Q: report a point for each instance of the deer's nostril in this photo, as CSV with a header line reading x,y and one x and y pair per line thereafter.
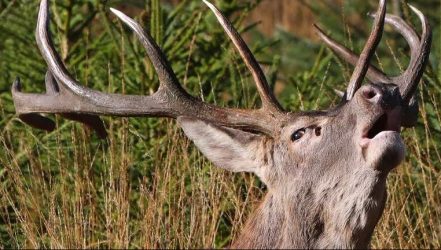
x,y
369,94
318,131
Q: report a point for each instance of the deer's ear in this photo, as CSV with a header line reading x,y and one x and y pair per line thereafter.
x,y
231,149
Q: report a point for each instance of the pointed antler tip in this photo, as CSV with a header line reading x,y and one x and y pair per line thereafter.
x,y
319,32
115,11
416,11
425,23
122,16
207,2
318,29
125,19
118,13
16,85
339,93
211,6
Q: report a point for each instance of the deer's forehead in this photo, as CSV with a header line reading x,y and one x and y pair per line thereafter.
x,y
305,120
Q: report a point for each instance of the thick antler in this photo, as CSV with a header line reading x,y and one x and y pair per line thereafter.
x,y
409,79
369,49
65,96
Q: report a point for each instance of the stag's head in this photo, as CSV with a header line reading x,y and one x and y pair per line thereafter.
x,y
317,149
325,168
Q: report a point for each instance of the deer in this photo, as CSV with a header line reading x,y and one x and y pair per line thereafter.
x,y
325,171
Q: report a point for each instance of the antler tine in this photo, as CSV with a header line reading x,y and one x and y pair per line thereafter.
x,y
165,73
226,116
67,97
32,119
420,50
373,73
269,101
369,49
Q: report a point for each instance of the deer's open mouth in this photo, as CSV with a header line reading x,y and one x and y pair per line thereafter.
x,y
379,126
381,143
387,122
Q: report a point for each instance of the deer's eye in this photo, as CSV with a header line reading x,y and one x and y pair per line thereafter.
x,y
298,134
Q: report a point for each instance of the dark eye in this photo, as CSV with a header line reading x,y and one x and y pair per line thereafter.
x,y
298,134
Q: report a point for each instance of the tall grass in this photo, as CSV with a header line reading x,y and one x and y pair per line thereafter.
x,y
146,186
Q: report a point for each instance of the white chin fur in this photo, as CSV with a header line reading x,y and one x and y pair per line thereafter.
x,y
385,151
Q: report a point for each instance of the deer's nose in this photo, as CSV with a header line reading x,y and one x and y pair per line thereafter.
x,y
386,95
371,93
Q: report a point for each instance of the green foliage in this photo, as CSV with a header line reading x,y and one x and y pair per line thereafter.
x,y
146,185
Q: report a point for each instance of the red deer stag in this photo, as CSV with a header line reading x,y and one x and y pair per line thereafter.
x,y
325,170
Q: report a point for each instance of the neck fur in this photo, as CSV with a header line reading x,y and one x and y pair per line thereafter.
x,y
332,218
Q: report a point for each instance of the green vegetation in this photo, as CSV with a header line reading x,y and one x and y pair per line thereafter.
x,y
146,185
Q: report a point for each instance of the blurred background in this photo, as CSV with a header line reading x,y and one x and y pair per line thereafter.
x,y
146,185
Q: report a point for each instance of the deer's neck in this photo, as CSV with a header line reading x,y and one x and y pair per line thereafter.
x,y
304,219
263,228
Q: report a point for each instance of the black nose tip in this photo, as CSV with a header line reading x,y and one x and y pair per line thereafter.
x,y
386,95
391,96
392,89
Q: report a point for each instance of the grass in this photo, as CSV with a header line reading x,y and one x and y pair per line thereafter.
x,y
147,186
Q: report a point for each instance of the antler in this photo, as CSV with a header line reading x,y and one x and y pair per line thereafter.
x,y
420,49
268,99
67,97
368,50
